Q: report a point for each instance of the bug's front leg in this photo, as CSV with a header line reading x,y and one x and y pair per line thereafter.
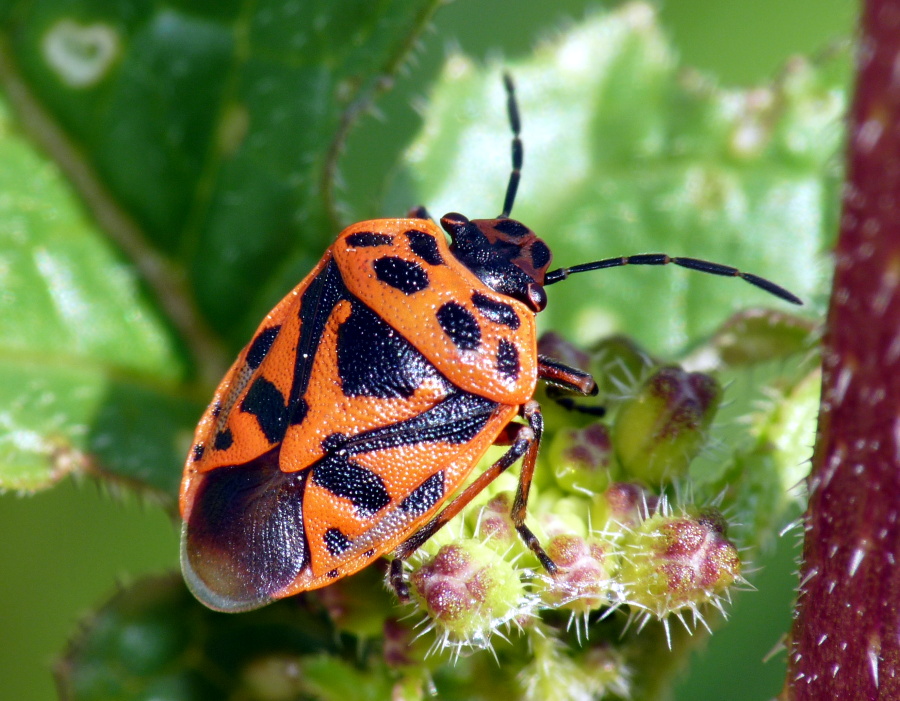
x,y
525,443
561,378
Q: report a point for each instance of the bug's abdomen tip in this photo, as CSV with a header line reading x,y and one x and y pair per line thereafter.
x,y
244,541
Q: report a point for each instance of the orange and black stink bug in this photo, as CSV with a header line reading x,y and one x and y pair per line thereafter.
x,y
366,397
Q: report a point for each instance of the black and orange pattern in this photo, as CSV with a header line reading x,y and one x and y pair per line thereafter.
x,y
363,401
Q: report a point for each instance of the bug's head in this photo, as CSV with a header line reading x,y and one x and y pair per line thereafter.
x,y
505,254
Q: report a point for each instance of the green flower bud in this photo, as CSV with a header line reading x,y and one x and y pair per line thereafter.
x,y
581,458
558,515
618,363
582,582
624,505
469,590
678,562
495,524
661,429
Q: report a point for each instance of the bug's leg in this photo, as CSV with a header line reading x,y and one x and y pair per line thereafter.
x,y
559,375
563,378
524,443
531,411
418,213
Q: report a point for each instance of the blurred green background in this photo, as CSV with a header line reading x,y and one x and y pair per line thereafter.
x,y
65,550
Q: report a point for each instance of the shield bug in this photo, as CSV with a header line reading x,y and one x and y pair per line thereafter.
x,y
368,394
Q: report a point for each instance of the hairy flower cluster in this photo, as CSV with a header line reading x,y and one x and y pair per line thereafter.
x,y
600,508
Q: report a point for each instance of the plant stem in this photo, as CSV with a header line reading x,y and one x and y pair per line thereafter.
x,y
845,642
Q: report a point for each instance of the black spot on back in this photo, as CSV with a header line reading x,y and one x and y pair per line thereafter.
x,y
336,541
245,540
217,409
400,274
266,403
426,495
374,360
333,574
508,360
368,239
540,254
343,478
460,325
425,246
261,346
198,452
498,312
511,227
224,440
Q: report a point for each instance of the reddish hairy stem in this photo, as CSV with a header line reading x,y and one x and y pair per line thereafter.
x,y
845,643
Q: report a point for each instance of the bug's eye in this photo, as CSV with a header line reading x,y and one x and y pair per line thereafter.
x,y
537,298
452,220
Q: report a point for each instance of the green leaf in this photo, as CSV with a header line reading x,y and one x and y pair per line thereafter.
x,y
626,154
78,338
203,137
216,125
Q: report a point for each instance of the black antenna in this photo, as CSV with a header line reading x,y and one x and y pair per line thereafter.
x,y
515,124
704,266
553,276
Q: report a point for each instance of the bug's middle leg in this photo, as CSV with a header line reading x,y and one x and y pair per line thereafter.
x,y
524,443
531,411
